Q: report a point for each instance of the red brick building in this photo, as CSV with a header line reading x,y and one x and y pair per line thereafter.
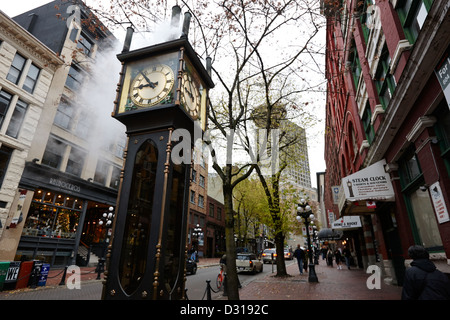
x,y
387,67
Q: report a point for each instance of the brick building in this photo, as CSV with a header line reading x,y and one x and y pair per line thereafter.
x,y
388,107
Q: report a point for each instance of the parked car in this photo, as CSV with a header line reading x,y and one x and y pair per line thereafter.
x,y
248,262
191,266
269,255
288,254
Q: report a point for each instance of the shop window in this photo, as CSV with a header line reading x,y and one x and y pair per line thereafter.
x,y
49,216
17,119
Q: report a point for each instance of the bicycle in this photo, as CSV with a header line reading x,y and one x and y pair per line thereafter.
x,y
219,279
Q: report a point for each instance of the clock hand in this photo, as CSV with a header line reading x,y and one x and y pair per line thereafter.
x,y
151,84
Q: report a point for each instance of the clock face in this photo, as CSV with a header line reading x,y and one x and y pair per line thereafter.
x,y
151,85
191,98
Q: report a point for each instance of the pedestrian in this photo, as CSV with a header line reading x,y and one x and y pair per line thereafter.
x,y
347,256
423,281
330,257
299,254
338,257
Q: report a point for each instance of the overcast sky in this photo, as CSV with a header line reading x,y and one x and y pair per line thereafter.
x,y
315,146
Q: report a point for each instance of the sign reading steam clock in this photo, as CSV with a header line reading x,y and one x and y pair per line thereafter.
x,y
162,88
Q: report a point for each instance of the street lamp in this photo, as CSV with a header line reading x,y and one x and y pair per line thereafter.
x,y
197,232
107,220
304,211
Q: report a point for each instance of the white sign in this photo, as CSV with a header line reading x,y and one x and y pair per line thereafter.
x,y
439,203
347,222
335,193
443,74
371,183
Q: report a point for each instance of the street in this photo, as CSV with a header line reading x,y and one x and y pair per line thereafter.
x,y
92,290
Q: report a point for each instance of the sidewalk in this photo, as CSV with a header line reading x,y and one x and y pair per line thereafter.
x,y
333,284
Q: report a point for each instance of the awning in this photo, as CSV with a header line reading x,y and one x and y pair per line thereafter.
x,y
329,234
370,184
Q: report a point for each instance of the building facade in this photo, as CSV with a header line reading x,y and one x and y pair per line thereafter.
x,y
388,107
70,174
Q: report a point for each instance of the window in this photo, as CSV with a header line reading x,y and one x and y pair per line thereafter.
x,y
84,125
115,178
31,79
5,156
5,101
367,18
385,82
201,181
211,210
16,69
74,78
64,114
194,175
76,161
54,153
418,202
201,201
101,172
355,65
368,128
85,45
192,197
17,119
412,14
219,213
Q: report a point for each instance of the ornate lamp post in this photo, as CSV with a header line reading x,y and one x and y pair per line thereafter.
x,y
304,212
197,233
107,220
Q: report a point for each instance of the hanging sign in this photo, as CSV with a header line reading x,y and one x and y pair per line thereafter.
x,y
439,203
347,222
371,183
442,72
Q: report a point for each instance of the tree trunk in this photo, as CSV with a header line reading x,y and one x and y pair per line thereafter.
x,y
232,277
281,265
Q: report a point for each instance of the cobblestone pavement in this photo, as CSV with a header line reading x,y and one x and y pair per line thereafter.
x,y
333,284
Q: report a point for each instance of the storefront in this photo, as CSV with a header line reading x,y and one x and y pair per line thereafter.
x,y
60,216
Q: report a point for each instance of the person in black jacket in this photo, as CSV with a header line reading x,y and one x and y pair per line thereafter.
x,y
423,281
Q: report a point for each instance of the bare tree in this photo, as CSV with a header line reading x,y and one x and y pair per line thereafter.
x,y
263,54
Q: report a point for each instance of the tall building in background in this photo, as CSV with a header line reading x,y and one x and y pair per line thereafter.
x,y
387,144
71,153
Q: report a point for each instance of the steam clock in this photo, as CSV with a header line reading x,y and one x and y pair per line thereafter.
x,y
162,88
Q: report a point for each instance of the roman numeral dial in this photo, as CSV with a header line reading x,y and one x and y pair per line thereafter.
x,y
152,85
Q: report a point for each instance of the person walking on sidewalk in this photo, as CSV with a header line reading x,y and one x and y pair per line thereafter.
x,y
423,281
338,257
347,255
300,255
330,257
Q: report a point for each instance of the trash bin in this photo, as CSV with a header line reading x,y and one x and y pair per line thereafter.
x,y
43,274
4,266
26,267
12,275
